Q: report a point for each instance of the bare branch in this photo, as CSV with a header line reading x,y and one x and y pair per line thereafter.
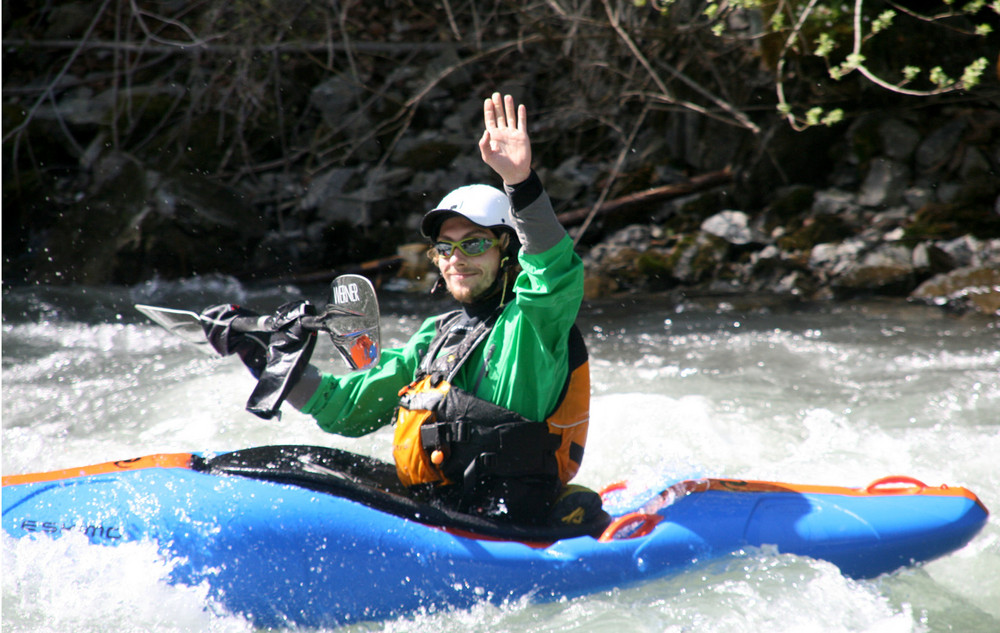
x,y
626,148
667,96
665,192
49,90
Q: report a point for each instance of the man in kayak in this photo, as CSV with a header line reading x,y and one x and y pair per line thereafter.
x,y
490,401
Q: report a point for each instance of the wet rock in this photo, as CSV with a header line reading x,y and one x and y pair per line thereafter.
x,y
695,257
886,269
616,263
797,283
199,206
961,250
773,270
948,221
899,139
889,279
889,220
936,150
972,288
596,285
834,202
820,229
884,184
929,259
565,181
733,227
640,257
832,259
655,270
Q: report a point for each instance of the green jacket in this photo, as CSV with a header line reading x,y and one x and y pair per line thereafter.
x,y
524,359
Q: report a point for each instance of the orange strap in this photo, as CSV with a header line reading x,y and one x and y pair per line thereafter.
x,y
646,524
161,460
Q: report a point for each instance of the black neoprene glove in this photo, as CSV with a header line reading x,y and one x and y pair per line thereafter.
x,y
288,354
251,347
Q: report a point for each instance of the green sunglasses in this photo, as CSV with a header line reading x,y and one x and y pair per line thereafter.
x,y
471,247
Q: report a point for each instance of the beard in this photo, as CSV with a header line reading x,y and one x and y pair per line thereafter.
x,y
465,292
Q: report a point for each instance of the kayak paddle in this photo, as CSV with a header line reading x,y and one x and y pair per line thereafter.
x,y
351,318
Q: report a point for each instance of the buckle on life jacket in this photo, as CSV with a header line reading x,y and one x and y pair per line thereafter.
x,y
436,438
440,436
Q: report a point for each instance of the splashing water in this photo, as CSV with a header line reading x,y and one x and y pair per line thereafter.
x,y
836,395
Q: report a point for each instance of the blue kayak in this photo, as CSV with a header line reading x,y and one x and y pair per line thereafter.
x,y
317,537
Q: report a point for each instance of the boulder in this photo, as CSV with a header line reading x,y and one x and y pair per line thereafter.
x,y
884,184
887,269
971,288
733,227
899,139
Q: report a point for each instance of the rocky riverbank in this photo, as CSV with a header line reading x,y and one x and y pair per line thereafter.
x,y
905,209
903,213
291,145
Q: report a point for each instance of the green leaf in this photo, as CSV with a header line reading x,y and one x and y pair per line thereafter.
x,y
883,21
824,45
833,117
940,78
973,72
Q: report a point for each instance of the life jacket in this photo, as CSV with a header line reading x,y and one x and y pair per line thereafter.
x,y
446,435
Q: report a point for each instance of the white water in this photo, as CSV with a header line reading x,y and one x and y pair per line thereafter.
x,y
833,395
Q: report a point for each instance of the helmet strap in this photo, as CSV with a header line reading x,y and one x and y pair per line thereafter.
x,y
503,272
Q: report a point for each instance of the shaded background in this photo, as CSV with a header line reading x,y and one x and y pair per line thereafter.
x,y
293,140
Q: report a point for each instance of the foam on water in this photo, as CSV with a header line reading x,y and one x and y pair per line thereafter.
x,y
747,593
55,586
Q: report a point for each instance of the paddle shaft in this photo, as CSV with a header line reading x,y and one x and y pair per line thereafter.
x,y
266,324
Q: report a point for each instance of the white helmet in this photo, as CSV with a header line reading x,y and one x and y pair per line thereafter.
x,y
480,204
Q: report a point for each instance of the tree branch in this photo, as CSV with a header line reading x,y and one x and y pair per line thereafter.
x,y
665,192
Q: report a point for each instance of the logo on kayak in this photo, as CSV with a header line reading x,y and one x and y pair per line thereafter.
x,y
346,294
91,531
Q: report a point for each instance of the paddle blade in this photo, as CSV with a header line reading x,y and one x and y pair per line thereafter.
x,y
183,323
352,319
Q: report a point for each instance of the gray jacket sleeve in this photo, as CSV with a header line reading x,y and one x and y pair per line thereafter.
x,y
536,224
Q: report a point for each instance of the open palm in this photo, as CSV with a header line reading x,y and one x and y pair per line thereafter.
x,y
505,145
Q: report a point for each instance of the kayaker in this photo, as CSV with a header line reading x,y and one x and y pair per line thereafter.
x,y
490,401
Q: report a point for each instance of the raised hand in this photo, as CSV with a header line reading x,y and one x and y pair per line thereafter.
x,y
505,145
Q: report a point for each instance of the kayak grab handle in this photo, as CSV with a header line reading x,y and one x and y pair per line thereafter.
x,y
915,485
614,487
646,524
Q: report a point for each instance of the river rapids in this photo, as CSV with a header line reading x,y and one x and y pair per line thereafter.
x,y
838,393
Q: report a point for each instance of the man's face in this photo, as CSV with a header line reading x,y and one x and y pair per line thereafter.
x,y
467,277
